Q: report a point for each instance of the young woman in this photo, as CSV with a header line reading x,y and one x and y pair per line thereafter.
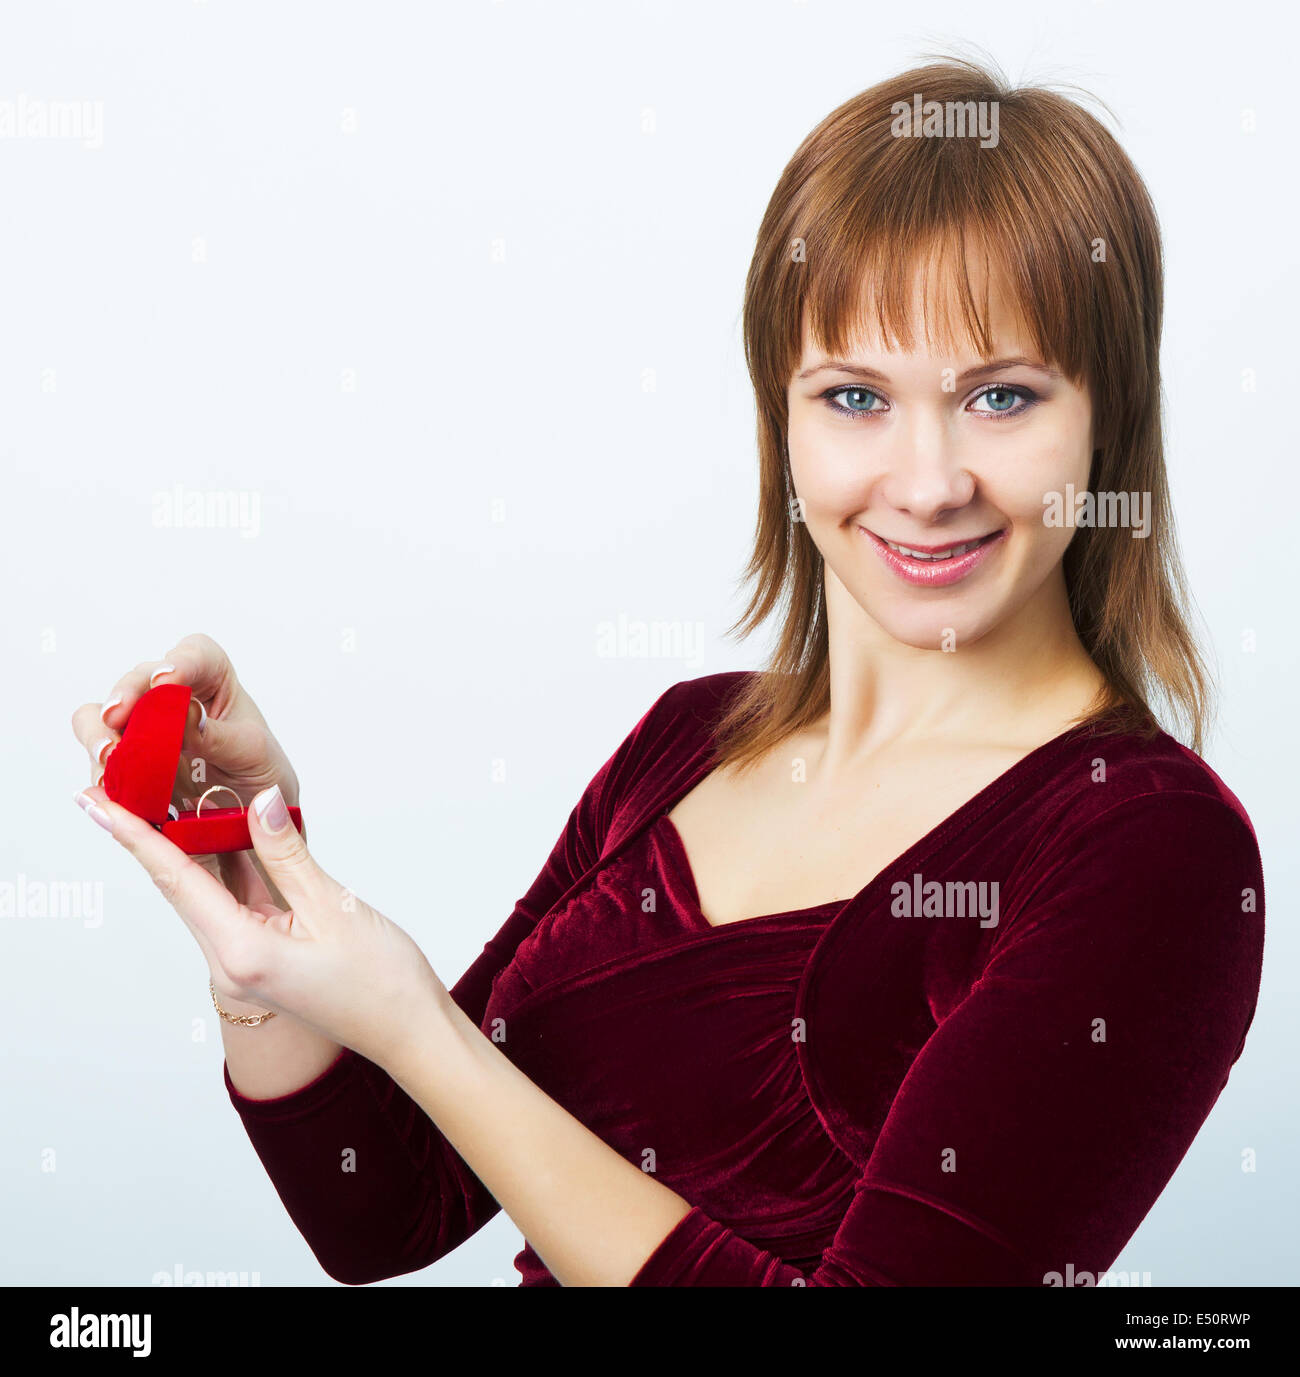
x,y
918,957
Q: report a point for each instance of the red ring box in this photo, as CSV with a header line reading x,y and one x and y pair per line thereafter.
x,y
140,774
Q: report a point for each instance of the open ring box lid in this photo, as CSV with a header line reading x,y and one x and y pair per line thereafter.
x,y
140,774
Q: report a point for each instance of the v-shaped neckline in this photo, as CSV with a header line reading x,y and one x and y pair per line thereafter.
x,y
961,816
669,828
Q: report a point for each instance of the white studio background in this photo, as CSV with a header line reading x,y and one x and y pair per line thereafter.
x,y
452,293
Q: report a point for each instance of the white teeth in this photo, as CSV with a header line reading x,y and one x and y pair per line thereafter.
x,y
951,552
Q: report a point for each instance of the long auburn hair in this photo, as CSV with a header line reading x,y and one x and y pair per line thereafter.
x,y
1057,206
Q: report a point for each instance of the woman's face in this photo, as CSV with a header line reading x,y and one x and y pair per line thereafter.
x,y
935,453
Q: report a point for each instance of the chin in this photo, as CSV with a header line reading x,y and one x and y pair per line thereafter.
x,y
933,628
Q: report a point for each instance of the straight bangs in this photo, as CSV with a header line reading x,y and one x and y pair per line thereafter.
x,y
948,270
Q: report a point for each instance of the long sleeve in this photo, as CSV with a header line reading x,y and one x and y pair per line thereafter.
x,y
372,1185
1046,1112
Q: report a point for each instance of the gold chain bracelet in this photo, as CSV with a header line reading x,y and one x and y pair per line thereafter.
x,y
244,1020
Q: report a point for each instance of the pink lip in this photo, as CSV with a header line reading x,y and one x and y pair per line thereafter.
x,y
935,573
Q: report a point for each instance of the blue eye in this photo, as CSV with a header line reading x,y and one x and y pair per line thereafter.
x,y
831,397
1002,401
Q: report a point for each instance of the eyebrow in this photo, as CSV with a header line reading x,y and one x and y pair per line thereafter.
x,y
858,371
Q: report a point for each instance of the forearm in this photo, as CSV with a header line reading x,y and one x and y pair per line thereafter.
x,y
370,1183
592,1216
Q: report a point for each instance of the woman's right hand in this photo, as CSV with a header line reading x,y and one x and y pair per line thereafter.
x,y
235,748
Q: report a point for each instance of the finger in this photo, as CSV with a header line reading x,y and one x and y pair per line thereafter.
x,y
283,853
227,744
228,935
196,719
241,878
234,740
94,736
197,660
227,869
212,864
129,689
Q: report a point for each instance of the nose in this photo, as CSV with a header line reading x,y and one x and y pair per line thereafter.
x,y
924,476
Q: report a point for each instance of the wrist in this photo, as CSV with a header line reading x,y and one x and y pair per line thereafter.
x,y
232,1004
433,1033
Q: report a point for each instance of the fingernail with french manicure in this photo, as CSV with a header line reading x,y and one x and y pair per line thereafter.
x,y
271,811
162,669
90,806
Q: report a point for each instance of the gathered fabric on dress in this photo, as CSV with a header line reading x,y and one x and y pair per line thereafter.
x,y
675,1042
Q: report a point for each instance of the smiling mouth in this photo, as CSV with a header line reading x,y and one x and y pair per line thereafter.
x,y
938,553
939,566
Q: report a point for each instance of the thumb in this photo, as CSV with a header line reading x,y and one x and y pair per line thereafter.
x,y
282,850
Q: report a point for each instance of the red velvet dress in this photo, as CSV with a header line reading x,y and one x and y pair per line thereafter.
x,y
881,1091
706,1089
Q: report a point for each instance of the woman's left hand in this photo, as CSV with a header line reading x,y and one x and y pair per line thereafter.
x,y
329,960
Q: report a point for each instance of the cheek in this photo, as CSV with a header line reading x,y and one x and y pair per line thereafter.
x,y
1018,479
1019,493
829,472
1041,547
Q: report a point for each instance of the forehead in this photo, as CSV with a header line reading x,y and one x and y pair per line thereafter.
x,y
936,319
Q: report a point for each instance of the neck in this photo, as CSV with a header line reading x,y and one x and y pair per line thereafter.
x,y
1022,682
